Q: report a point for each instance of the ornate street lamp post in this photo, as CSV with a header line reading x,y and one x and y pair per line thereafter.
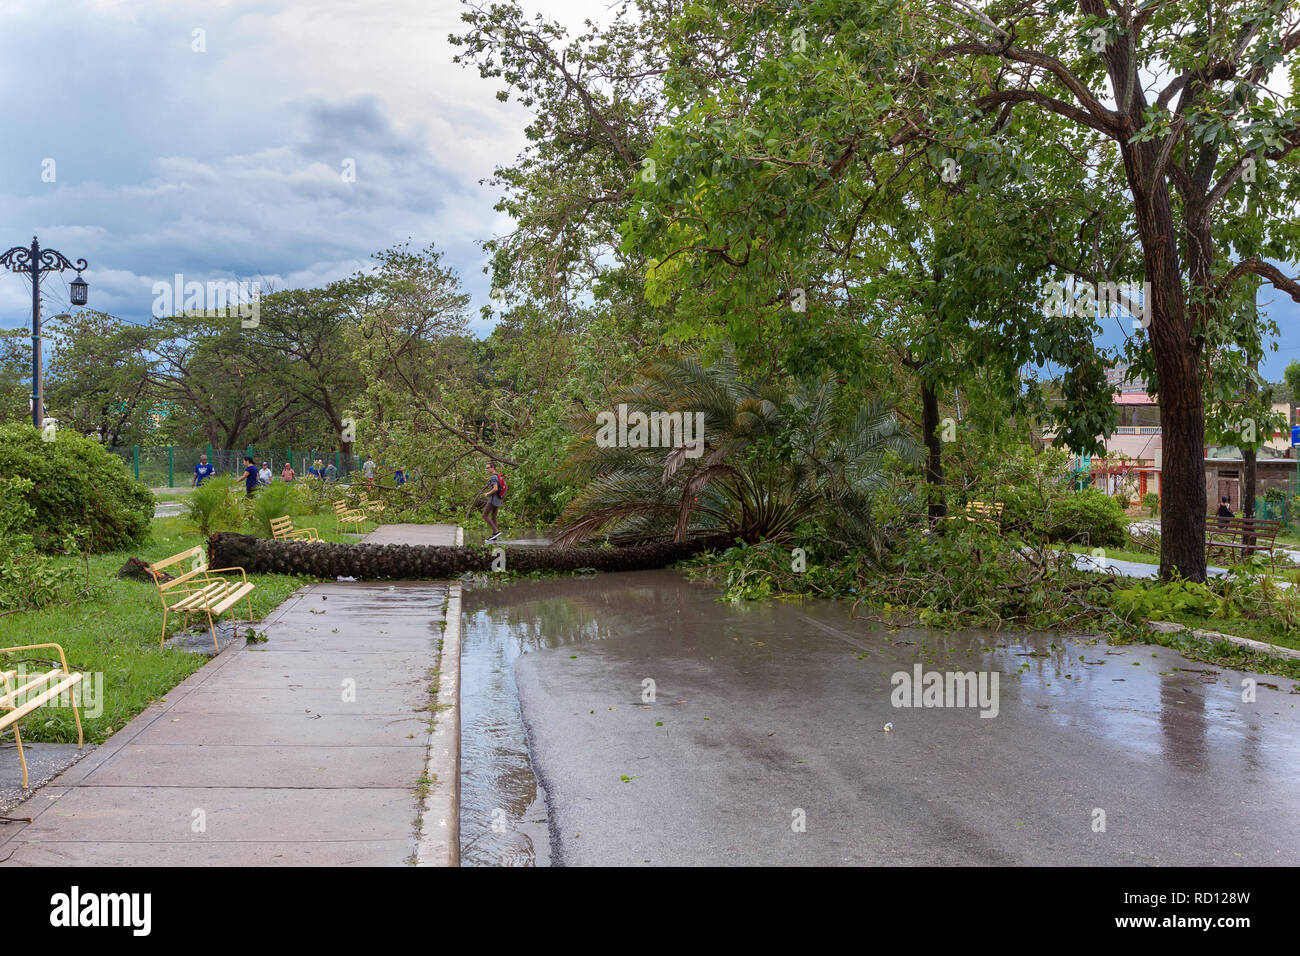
x,y
36,261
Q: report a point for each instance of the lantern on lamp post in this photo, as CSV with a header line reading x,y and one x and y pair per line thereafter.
x,y
36,261
79,289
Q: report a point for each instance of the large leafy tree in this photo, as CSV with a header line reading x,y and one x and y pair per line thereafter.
x,y
203,366
1164,107
820,254
97,377
300,345
15,375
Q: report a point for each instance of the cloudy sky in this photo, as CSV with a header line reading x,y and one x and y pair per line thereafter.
x,y
212,140
230,162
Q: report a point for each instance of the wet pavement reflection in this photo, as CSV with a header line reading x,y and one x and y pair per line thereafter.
x,y
761,707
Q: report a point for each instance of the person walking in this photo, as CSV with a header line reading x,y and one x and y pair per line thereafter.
x,y
331,472
368,469
264,474
495,495
203,471
286,474
250,476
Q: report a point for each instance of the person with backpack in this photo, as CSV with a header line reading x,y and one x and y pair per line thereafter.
x,y
495,494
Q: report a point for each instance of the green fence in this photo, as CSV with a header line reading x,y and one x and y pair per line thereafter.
x,y
1286,509
172,466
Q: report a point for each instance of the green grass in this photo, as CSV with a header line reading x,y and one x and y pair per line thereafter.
x,y
116,634
1218,653
1240,627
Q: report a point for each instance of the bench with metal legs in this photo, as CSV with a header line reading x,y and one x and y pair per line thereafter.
x,y
282,529
23,693
198,591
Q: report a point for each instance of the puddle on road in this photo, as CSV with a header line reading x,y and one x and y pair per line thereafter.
x,y
503,816
502,807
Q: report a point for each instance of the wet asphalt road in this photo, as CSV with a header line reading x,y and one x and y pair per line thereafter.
x,y
768,716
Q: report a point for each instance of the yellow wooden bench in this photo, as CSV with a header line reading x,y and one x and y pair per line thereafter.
x,y
979,509
23,694
347,516
197,590
283,530
982,512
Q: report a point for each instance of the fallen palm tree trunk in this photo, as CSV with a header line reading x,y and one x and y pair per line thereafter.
x,y
413,562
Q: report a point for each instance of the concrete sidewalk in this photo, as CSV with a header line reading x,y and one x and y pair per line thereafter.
x,y
307,749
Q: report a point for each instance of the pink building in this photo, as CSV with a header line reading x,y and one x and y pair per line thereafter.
x,y
1133,458
1133,450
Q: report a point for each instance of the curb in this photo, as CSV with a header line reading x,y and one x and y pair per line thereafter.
x,y
1170,627
439,843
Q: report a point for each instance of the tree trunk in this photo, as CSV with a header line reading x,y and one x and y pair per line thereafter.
x,y
1178,373
1249,458
934,453
1182,478
373,562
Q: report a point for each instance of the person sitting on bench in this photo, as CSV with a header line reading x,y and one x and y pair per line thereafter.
x,y
1224,511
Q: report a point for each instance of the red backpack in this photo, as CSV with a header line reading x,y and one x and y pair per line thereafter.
x,y
501,486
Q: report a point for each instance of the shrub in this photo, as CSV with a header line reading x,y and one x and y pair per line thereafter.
x,y
78,489
28,579
216,505
274,501
313,496
1087,517
1161,602
1026,484
1151,502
